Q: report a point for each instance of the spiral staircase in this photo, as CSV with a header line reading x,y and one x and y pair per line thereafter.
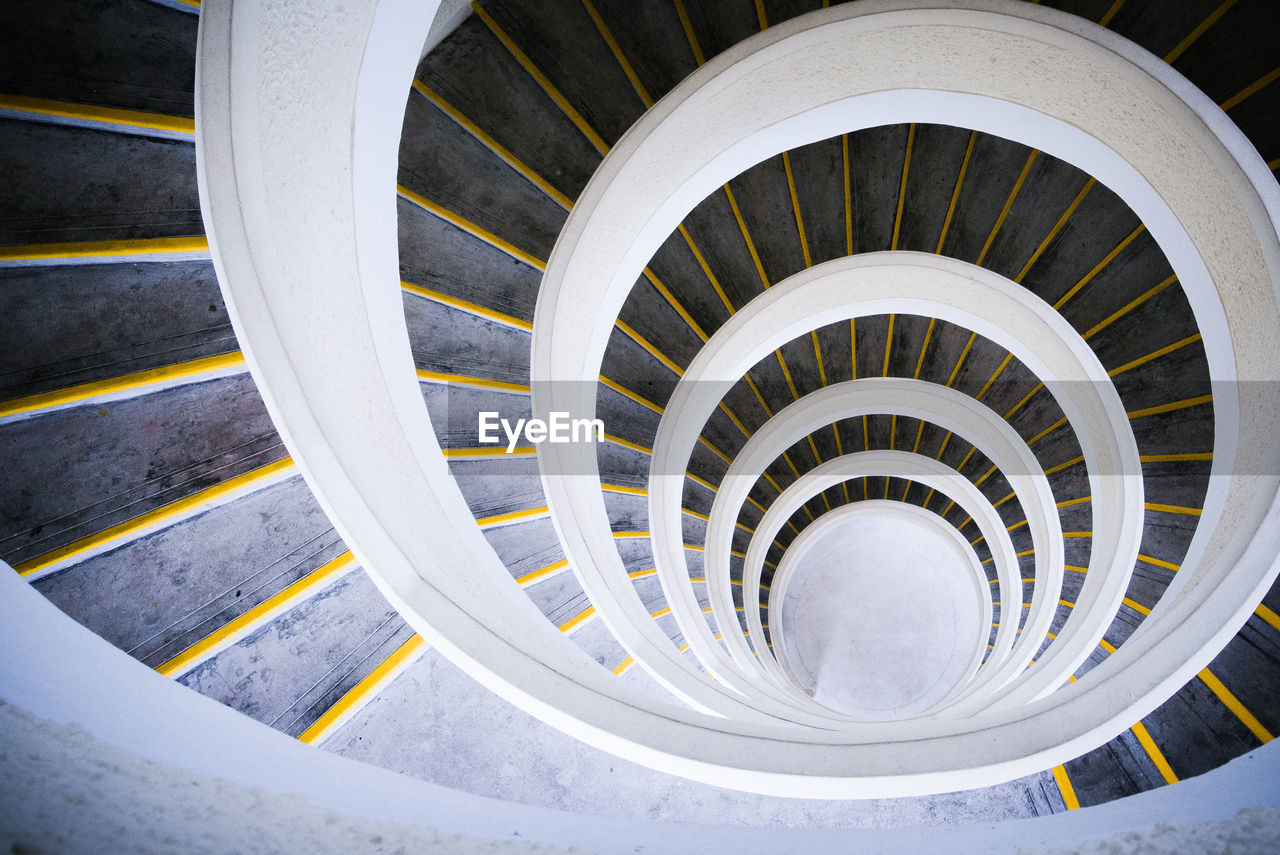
x,y
912,317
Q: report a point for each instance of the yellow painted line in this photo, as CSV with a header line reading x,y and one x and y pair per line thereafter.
x,y
682,648
640,574
1016,525
822,372
1024,400
1074,569
1066,465
617,53
1067,604
625,443
746,237
232,631
472,228
105,249
1170,407
700,481
888,344
795,207
928,334
1008,204
706,268
1005,499
625,392
153,378
623,535
541,79
347,705
1057,227
649,347
902,185
489,142
733,418
103,115
194,4
1172,509
1142,360
1136,606
693,546
1158,562
618,488
622,666
992,379
675,304
663,612
722,455
163,515
467,306
1158,758
692,38
1064,786
782,363
1233,703
1077,534
1107,646
1175,458
1262,82
1097,268
578,620
853,347
760,16
474,382
696,514
1272,619
756,389
1128,307
964,353
955,193
1069,502
1106,19
1050,429
542,572
1274,165
512,516
488,451
1199,31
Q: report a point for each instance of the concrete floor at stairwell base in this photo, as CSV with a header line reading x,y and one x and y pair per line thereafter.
x,y
881,617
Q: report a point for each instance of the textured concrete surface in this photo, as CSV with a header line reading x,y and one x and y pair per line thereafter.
x,y
881,617
451,731
76,184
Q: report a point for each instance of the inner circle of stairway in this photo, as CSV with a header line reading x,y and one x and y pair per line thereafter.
x,y
169,517
881,615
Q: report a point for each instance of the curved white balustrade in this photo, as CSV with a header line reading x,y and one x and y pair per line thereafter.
x,y
316,302
918,468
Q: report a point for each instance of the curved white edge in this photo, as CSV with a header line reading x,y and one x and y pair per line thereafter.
x,y
286,250
796,552
923,470
948,408
61,672
973,298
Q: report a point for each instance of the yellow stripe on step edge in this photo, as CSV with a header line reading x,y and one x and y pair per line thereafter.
x,y
161,515
232,631
92,113
391,667
191,370
105,248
